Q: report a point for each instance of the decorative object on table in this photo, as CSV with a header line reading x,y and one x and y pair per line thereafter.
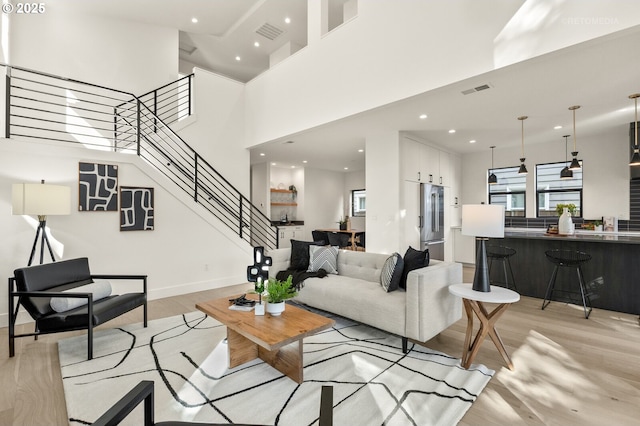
x,y
277,292
610,223
258,273
493,179
565,224
42,200
523,169
343,224
575,164
482,221
566,173
97,187
294,191
635,158
136,209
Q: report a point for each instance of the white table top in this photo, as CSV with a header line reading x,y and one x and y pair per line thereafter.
x,y
496,295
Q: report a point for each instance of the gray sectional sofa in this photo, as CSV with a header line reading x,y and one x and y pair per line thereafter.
x,y
421,312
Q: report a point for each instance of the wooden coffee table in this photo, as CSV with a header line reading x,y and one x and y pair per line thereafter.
x,y
275,340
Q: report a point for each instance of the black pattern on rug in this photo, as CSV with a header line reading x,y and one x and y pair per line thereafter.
x,y
374,382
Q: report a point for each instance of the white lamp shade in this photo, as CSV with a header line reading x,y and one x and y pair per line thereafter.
x,y
40,199
483,220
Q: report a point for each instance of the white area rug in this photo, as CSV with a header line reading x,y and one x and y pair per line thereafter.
x,y
374,382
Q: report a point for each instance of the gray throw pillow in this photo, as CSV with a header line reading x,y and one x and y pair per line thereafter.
x,y
321,257
392,272
99,288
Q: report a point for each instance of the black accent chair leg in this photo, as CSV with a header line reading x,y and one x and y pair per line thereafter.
x,y
90,329
12,320
326,406
405,344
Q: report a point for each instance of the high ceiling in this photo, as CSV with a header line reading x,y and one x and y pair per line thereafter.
x,y
598,75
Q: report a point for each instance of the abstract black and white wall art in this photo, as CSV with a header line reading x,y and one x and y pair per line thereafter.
x,y
136,209
98,187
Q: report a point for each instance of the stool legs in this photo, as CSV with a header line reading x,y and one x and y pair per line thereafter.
x,y
586,301
505,263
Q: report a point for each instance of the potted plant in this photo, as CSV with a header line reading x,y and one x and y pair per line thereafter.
x,y
343,224
570,207
277,292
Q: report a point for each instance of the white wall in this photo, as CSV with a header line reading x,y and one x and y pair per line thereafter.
x,y
183,254
217,130
324,198
352,181
605,171
119,54
424,45
260,187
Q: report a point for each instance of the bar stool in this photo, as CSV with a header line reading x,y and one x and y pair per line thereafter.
x,y
502,254
568,259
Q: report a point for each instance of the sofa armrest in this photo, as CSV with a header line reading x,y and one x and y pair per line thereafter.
x,y
430,306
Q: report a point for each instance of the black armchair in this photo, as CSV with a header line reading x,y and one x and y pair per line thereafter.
x,y
35,286
143,391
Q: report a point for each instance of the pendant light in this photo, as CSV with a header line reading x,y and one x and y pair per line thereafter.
x,y
566,173
493,179
635,159
574,162
523,169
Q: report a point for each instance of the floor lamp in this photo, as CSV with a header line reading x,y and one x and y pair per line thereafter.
x,y
42,200
482,221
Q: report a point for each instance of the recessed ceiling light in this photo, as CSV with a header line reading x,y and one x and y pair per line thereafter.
x,y
472,141
305,161
346,168
287,20
273,164
194,20
557,127
361,150
256,44
262,154
423,116
452,131
293,167
237,58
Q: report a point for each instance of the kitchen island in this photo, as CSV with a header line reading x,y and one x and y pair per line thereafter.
x,y
612,274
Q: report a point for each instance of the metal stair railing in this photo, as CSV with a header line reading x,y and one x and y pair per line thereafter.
x,y
54,109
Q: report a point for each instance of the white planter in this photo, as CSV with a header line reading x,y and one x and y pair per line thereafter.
x,y
275,309
565,224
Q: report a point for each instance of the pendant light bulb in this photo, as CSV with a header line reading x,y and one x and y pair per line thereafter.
x,y
523,169
635,158
574,162
565,173
493,179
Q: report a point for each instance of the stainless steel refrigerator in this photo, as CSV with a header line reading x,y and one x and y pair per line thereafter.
x,y
432,220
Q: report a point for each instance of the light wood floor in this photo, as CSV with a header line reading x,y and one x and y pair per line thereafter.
x,y
568,370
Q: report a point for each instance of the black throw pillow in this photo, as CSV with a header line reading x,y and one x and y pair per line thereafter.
x,y
413,259
300,254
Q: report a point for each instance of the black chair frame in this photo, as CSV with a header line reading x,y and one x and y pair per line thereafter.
x,y
15,307
143,391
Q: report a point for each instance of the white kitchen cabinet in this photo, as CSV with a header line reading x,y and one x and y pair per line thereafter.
x,y
423,163
288,233
455,179
464,247
410,160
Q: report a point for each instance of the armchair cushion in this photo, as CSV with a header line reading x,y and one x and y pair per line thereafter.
x,y
99,289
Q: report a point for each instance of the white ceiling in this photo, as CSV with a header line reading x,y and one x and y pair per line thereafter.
x,y
598,75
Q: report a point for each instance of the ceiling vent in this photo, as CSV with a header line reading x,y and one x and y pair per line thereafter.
x,y
269,31
477,89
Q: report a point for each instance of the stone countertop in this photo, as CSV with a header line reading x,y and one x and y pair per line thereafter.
x,y
586,236
290,223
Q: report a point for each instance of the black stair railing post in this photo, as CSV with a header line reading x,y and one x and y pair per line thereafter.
x,y
7,112
195,178
138,127
155,110
189,93
240,219
115,129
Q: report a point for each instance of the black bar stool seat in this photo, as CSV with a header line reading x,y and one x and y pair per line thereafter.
x,y
502,254
568,259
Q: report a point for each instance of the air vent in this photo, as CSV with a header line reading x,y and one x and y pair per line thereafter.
x,y
269,31
477,89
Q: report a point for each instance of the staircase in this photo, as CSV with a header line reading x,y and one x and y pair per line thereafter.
x,y
57,110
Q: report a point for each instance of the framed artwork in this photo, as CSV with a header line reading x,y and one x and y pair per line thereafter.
x,y
98,187
136,209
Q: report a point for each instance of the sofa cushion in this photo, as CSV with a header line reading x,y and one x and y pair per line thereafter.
x,y
99,288
392,273
363,265
413,259
323,258
300,254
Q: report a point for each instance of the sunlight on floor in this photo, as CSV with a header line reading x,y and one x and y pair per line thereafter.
x,y
214,366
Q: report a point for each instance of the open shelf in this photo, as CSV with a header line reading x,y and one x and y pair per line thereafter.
x,y
285,191
284,204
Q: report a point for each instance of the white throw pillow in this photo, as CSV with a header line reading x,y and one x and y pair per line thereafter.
x,y
323,257
99,288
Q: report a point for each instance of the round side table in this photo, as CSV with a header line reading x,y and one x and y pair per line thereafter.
x,y
474,303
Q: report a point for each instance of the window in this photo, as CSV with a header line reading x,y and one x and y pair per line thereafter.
x,y
510,191
358,203
551,190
